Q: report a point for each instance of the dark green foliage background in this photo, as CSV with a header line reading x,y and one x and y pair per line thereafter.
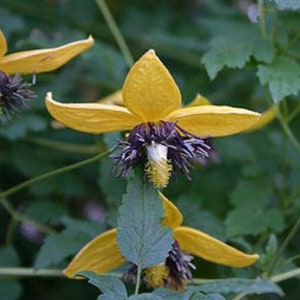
x,y
247,193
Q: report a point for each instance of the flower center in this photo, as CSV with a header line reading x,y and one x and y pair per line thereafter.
x,y
14,94
173,273
162,147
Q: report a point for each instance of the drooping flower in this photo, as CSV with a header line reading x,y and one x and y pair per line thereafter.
x,y
14,93
41,60
163,136
102,255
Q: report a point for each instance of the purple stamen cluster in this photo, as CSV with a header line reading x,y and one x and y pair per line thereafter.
x,y
179,265
14,94
183,147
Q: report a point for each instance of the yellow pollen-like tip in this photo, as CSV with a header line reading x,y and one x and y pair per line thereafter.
x,y
155,276
159,172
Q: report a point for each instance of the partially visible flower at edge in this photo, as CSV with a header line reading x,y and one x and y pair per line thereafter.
x,y
15,94
40,60
102,255
162,135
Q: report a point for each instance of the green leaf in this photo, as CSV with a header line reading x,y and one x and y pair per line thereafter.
x,y
21,125
234,52
239,285
201,296
282,76
59,246
250,193
141,238
145,296
245,220
168,294
10,289
111,286
8,257
288,4
252,214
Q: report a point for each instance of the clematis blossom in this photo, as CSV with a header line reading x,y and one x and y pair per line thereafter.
x,y
102,255
162,135
16,94
39,60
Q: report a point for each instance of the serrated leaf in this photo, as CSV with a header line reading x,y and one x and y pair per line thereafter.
x,y
59,246
145,296
201,296
110,286
282,76
168,294
245,220
234,52
288,4
141,238
239,285
250,193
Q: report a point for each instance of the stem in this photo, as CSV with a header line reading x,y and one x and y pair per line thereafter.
x,y
293,114
138,279
284,245
22,218
288,131
286,275
262,21
115,32
240,296
47,175
29,272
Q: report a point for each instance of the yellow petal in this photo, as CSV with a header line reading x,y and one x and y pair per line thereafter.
x,y
115,98
173,217
38,61
201,244
91,117
149,90
212,120
100,255
3,45
267,117
198,101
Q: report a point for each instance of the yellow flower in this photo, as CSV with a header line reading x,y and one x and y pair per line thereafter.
x,y
38,61
102,255
163,135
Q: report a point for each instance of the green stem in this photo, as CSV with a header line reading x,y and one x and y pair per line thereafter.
x,y
138,279
240,296
29,272
293,114
288,131
283,246
286,275
115,31
47,175
262,21
22,218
